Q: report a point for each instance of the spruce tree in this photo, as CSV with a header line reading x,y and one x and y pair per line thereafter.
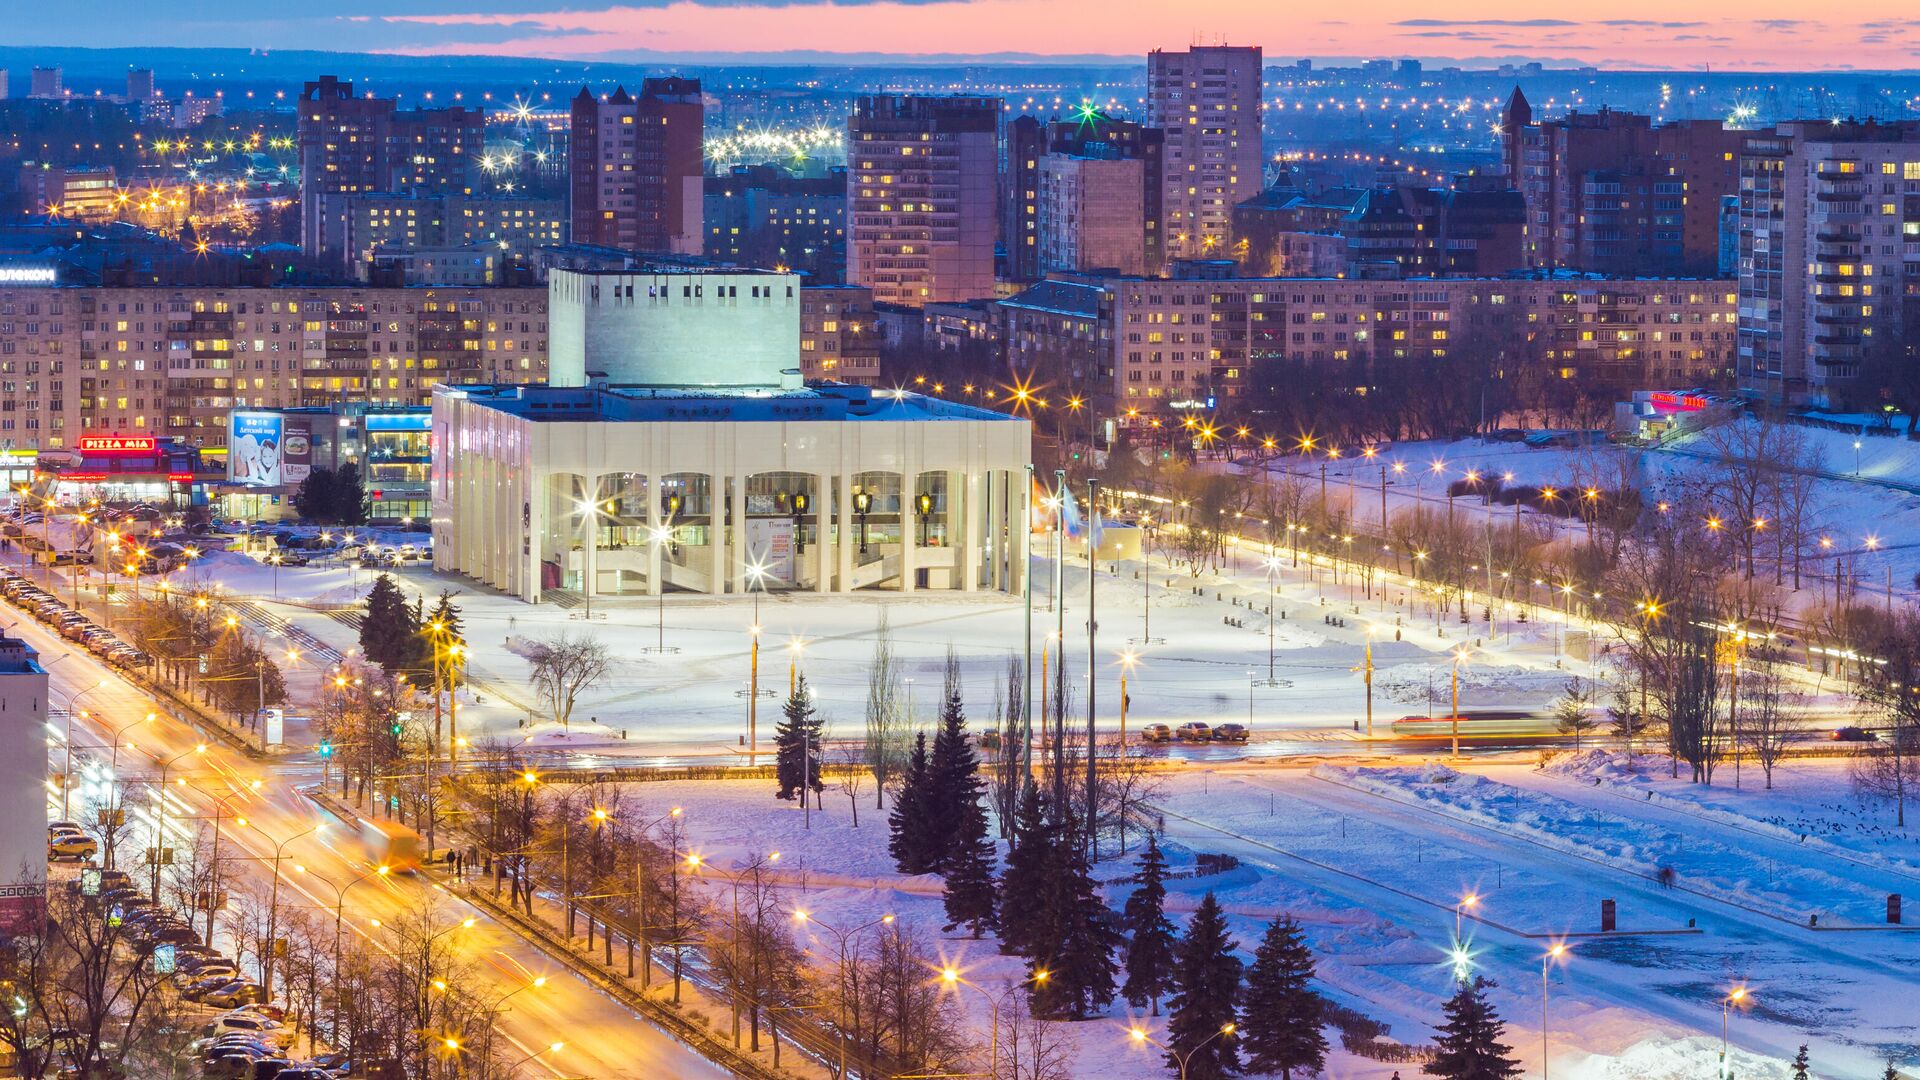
x,y
349,496
796,740
1074,939
1800,1064
1469,1047
1282,1017
1149,958
1206,977
316,497
1028,864
386,631
953,774
971,898
913,831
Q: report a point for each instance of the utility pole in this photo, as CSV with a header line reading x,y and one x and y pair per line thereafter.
x,y
1093,583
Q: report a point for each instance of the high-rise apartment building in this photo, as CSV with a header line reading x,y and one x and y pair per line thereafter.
x,y
46,83
1022,145
1829,257
165,360
1207,101
763,216
921,186
139,84
636,168
23,854
352,146
1614,193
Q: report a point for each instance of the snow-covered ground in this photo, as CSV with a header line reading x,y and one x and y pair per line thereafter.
x,y
1374,880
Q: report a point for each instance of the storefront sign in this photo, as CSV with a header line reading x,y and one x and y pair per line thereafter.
x,y
118,444
254,448
28,275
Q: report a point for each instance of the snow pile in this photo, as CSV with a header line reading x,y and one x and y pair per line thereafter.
x,y
1675,1059
1433,682
1700,864
1595,764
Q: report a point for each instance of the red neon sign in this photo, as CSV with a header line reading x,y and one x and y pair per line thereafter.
x,y
117,444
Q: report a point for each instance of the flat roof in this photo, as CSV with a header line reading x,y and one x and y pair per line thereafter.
x,y
833,403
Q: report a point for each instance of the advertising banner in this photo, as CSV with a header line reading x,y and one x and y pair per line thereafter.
x,y
770,544
254,447
296,449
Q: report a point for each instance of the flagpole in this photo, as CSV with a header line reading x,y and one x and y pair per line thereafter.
x,y
1026,673
1093,574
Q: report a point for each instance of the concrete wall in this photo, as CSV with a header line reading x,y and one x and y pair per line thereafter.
x,y
674,329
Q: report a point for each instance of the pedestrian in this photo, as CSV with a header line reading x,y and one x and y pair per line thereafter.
x,y
1666,877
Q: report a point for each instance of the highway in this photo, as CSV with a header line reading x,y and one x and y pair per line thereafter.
x,y
601,1039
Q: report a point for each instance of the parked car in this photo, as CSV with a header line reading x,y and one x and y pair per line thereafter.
x,y
1194,731
1156,733
68,846
1230,733
235,993
258,1027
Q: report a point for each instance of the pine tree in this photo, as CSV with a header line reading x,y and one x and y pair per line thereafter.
x,y
1150,941
913,830
349,496
317,496
1206,977
387,631
953,774
1027,868
970,894
1800,1064
1073,938
796,740
1282,1017
1469,1047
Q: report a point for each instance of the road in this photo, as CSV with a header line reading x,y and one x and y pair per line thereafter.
x,y
602,1039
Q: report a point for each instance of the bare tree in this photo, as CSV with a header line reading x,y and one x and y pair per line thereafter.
x,y
1126,781
1774,715
1030,1047
1890,770
852,778
1007,767
885,749
563,668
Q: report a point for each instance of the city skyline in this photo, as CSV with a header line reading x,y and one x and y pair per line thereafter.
x,y
1638,34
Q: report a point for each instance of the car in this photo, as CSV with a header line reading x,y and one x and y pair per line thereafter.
x,y
248,1024
305,1072
173,933
234,993
219,969
1194,731
196,990
1156,733
70,846
290,558
1230,733
270,1010
74,826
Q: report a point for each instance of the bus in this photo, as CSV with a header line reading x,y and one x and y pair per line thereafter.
x,y
1480,724
392,844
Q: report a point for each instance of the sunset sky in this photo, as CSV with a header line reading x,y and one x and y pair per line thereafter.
x,y
1874,34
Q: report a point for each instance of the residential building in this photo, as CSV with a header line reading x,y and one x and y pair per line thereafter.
x,y
354,146
384,226
1614,193
139,85
46,83
74,192
839,335
921,197
1207,102
1829,256
173,361
23,799
1475,228
1023,144
763,216
636,167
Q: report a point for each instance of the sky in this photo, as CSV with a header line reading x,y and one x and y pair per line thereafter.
x,y
1721,34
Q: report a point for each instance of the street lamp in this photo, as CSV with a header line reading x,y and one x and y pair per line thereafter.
x,y
952,977
160,814
841,936
1140,1037
1736,997
1471,900
660,536
924,502
862,505
273,908
1552,957
1460,656
66,779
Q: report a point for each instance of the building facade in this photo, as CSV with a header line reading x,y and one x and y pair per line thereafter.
x,y
1207,102
172,361
839,335
383,226
1829,257
921,186
636,166
671,326
353,146
765,217
23,842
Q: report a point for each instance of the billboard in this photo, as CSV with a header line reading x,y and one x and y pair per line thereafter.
x,y
266,449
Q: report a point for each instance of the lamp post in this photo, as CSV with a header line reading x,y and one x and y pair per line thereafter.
x,y
842,937
1128,661
924,503
66,778
1365,669
1470,900
661,537
213,887
339,904
952,977
1735,997
862,505
273,911
1139,1036
758,574
160,815
1552,957
1459,656
550,1048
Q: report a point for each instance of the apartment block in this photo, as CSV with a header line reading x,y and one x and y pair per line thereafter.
x,y
1207,102
1829,222
385,224
173,361
921,197
839,337
636,166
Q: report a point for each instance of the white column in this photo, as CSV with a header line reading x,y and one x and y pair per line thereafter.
x,y
1019,534
717,533
534,490
656,559
964,528
847,541
822,497
590,524
743,549
909,526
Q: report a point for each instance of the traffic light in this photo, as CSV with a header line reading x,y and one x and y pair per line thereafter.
x,y
396,729
326,748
